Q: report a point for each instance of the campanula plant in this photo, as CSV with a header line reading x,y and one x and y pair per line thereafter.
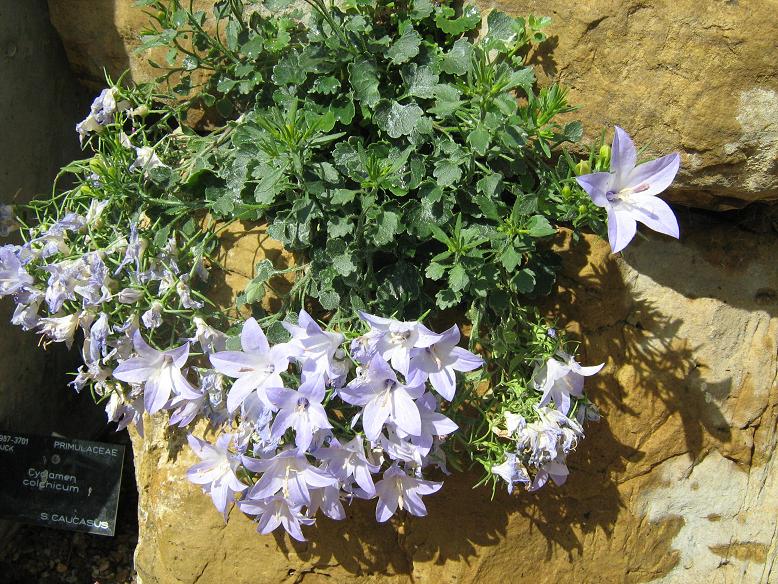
x,y
406,156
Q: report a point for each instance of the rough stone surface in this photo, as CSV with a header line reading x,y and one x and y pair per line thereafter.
x,y
678,76
677,483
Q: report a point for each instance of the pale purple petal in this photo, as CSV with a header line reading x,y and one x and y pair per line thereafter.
x,y
375,415
596,185
656,174
623,155
656,214
252,339
621,228
405,413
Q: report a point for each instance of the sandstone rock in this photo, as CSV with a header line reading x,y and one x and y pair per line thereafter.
x,y
679,77
677,483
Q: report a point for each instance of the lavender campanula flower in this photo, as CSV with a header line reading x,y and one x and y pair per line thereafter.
x,y
433,424
26,313
60,329
152,318
122,342
440,360
95,212
513,423
13,276
136,247
255,368
185,409
290,474
349,463
211,340
185,294
129,295
215,472
384,398
629,193
512,471
101,114
126,410
394,339
300,410
556,470
317,348
96,343
276,511
328,500
146,160
400,449
158,371
398,490
559,379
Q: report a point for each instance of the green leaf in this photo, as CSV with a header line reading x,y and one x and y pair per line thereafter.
x,y
573,131
326,85
510,258
344,264
405,48
253,48
538,226
343,109
459,59
398,120
446,100
435,271
491,185
487,207
340,227
329,299
343,196
447,173
458,278
469,20
269,185
364,80
523,78
479,140
385,228
421,9
524,280
448,298
502,29
421,81
161,236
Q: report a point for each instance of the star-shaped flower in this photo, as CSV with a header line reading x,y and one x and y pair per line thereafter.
x,y
629,192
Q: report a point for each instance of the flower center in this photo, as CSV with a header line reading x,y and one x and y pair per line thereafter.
x,y
302,405
625,193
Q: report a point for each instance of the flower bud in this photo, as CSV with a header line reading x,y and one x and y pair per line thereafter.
x,y
605,154
129,295
566,192
141,111
583,167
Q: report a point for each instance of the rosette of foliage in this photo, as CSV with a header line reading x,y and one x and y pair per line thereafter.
x,y
406,156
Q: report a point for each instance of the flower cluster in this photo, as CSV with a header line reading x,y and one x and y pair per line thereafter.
x,y
287,457
542,445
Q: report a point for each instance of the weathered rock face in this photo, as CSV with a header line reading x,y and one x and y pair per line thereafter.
x,y
700,80
677,483
681,76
